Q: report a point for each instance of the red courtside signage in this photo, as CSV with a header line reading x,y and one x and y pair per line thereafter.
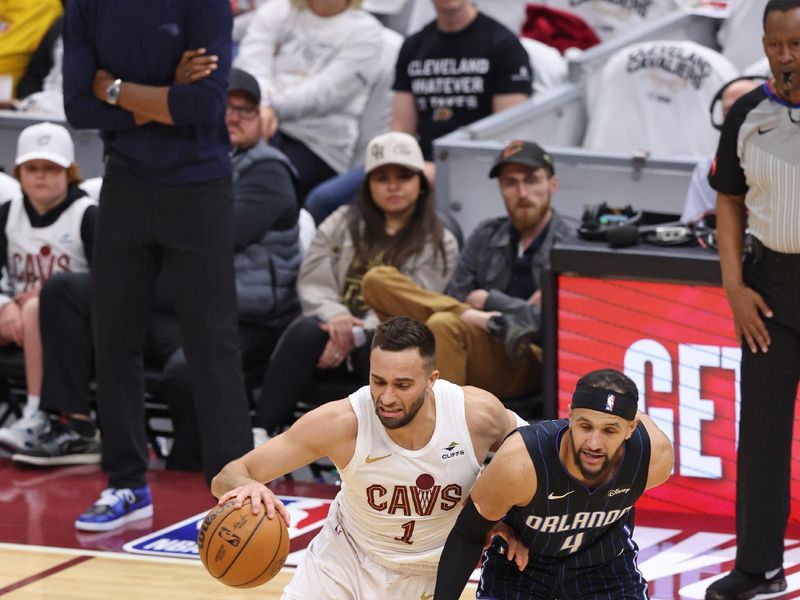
x,y
676,341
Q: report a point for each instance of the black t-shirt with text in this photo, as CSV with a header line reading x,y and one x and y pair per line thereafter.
x,y
454,75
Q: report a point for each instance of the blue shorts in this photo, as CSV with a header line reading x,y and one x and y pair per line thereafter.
x,y
549,579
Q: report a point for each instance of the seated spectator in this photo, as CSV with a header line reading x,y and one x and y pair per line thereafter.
x,y
315,63
460,68
49,229
701,199
392,223
22,25
487,324
267,258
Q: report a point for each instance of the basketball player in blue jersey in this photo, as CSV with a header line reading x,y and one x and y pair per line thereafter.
x,y
567,489
408,448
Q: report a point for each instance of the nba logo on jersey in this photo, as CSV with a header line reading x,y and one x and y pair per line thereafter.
x,y
610,402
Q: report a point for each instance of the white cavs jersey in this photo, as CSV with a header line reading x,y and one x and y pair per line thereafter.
x,y
35,253
399,505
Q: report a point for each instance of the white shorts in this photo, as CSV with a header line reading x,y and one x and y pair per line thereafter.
x,y
334,569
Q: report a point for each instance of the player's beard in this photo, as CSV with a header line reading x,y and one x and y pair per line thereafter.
x,y
587,474
405,418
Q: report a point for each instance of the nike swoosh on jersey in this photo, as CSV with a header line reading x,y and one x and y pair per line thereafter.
x,y
763,131
370,460
553,496
424,596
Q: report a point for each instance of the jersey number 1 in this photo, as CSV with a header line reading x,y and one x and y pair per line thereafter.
x,y
408,531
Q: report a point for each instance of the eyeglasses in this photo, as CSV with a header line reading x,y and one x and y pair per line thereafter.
x,y
246,113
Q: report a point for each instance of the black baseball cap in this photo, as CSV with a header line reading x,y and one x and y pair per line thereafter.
x,y
242,81
523,153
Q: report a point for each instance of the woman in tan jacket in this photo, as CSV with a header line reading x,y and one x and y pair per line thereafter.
x,y
393,223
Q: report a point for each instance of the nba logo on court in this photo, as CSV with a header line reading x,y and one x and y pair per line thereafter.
x,y
610,402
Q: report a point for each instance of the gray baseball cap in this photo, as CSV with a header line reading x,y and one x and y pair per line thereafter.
x,y
242,81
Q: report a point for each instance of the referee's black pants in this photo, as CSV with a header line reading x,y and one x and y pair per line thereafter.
x,y
186,230
768,388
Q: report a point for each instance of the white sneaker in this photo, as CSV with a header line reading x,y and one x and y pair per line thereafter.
x,y
260,436
24,433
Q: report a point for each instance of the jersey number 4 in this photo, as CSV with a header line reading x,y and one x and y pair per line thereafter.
x,y
572,543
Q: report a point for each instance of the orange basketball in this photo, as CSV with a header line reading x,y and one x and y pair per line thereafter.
x,y
241,549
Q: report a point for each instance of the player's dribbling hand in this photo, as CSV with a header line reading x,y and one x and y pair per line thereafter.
x,y
259,494
516,550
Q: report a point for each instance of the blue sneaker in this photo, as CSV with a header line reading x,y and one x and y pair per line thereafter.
x,y
116,507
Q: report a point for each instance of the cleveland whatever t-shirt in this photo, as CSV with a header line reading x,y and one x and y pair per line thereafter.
x,y
453,76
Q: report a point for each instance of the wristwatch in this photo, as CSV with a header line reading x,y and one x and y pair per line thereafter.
x,y
112,92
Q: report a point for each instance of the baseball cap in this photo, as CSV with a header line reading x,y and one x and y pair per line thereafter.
x,y
46,141
523,153
394,148
243,81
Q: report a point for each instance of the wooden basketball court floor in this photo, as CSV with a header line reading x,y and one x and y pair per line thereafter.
x,y
42,556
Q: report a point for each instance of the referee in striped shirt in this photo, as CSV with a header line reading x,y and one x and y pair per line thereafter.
x,y
756,174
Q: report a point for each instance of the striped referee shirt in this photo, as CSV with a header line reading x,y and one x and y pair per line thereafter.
x,y
759,157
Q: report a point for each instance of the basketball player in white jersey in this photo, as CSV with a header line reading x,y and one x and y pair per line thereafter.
x,y
408,448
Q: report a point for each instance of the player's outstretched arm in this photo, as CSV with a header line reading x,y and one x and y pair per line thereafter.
x,y
509,480
662,455
329,430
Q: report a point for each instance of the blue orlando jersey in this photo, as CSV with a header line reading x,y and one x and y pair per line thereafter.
x,y
568,523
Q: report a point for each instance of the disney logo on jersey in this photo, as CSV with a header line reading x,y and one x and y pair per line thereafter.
x,y
618,491
451,452
419,499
